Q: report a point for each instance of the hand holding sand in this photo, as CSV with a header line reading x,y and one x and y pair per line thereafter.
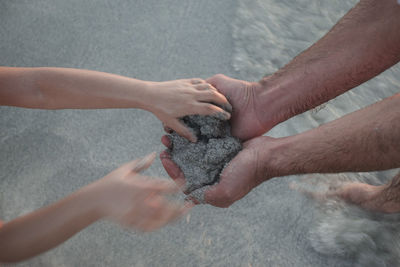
x,y
245,171
249,117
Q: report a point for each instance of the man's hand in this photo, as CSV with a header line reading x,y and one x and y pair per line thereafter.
x,y
246,120
246,171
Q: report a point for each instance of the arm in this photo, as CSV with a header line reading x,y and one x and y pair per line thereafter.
x,y
123,195
365,140
364,43
61,88
361,45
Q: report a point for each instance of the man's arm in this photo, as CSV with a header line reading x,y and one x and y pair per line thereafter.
x,y
365,140
365,42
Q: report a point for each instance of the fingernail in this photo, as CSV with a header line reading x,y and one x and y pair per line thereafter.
x,y
228,108
227,115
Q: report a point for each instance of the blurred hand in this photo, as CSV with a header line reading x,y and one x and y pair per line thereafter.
x,y
243,96
246,171
137,201
178,98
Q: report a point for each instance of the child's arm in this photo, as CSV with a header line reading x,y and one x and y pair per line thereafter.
x,y
123,196
63,88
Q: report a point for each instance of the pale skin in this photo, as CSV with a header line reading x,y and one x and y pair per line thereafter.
x,y
64,88
124,195
361,45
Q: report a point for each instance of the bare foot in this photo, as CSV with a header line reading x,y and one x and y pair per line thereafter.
x,y
374,198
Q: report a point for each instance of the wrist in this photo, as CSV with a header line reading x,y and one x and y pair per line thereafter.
x,y
93,197
279,157
277,101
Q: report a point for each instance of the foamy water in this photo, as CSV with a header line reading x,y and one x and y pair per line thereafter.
x,y
267,35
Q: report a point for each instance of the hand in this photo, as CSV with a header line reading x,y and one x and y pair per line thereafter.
x,y
246,171
246,119
137,201
175,99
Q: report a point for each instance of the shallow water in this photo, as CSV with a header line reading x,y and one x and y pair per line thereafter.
x,y
268,34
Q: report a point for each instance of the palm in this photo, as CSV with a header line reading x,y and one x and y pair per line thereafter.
x,y
242,174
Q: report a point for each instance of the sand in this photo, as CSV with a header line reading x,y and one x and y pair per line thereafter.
x,y
45,155
203,161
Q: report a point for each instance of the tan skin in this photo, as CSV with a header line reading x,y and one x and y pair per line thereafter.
x,y
123,196
361,45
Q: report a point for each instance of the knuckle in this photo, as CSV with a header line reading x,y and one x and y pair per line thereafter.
x,y
219,76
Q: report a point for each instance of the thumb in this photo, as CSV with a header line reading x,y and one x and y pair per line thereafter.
x,y
219,195
216,80
144,163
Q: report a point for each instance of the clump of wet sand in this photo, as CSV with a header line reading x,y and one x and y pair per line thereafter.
x,y
203,161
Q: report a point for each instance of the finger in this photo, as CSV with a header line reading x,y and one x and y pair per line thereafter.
x,y
144,163
167,129
204,87
213,96
217,79
212,110
169,214
166,141
172,169
196,81
182,130
163,186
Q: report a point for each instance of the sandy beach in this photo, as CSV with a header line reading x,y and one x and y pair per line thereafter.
x,y
45,155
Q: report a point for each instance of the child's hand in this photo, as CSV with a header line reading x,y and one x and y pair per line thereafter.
x,y
137,201
175,99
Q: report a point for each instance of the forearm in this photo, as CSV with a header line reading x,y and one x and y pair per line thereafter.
x,y
361,45
63,88
45,228
366,140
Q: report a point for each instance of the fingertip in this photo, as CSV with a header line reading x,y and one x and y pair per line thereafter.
x,y
167,129
186,133
228,107
172,169
166,141
192,138
222,115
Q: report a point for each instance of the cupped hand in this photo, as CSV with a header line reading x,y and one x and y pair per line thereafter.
x,y
137,201
246,120
175,99
246,171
